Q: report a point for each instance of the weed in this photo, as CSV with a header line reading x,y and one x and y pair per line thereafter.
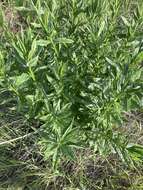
x,y
74,69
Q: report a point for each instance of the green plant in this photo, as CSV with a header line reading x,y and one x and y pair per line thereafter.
x,y
76,68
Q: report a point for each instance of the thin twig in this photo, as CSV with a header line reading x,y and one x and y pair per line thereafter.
x,y
18,138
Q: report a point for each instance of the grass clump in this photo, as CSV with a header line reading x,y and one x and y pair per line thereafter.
x,y
72,71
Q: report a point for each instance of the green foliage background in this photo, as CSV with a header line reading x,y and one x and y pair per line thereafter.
x,y
75,68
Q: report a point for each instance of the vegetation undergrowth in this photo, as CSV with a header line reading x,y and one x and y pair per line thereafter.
x,y
70,79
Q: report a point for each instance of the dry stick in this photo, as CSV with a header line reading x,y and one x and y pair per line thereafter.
x,y
18,138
